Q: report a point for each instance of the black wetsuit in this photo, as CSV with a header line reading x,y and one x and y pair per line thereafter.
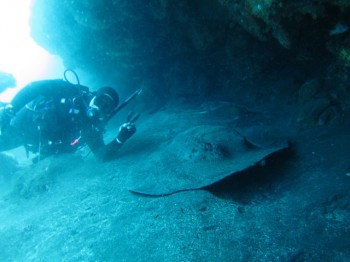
x,y
50,118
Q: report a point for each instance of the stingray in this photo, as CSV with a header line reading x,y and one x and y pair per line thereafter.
x,y
181,152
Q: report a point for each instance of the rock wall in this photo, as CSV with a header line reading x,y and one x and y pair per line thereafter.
x,y
204,48
6,81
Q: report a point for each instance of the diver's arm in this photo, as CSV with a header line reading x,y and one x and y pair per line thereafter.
x,y
101,150
105,152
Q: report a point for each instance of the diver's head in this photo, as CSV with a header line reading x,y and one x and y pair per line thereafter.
x,y
103,103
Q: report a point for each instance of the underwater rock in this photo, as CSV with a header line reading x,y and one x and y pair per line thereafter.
x,y
34,180
310,112
6,81
324,100
309,90
8,168
8,164
166,45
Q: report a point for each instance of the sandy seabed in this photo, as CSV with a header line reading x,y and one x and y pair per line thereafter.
x,y
293,208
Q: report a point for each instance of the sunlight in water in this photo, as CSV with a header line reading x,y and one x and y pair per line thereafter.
x,y
19,54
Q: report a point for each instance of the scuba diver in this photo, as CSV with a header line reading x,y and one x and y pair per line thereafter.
x,y
55,116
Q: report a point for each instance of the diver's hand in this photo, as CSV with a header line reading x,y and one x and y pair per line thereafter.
x,y
126,130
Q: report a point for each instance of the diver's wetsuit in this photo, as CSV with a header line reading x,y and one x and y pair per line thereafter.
x,y
50,117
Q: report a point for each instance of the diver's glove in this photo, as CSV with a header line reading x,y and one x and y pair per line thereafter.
x,y
126,130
